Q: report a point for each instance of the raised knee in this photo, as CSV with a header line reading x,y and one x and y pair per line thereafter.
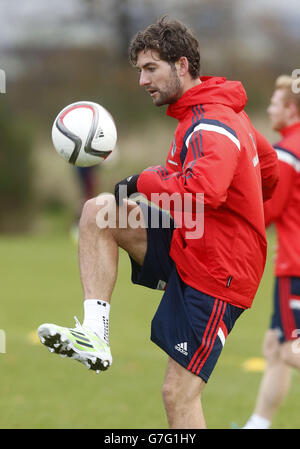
x,y
97,209
88,213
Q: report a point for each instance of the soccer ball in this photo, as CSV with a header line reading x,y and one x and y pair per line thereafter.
x,y
84,133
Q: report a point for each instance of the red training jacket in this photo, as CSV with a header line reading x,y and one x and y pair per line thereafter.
x,y
216,151
284,208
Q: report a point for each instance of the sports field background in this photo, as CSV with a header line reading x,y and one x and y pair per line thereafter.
x,y
55,53
40,283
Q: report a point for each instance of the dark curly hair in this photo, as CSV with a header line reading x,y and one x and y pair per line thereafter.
x,y
172,40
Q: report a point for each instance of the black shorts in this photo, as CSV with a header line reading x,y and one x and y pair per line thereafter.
x,y
189,325
286,312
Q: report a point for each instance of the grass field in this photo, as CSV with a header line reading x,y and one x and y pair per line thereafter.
x,y
40,283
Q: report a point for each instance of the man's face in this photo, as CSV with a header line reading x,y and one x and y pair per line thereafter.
x,y
159,78
278,110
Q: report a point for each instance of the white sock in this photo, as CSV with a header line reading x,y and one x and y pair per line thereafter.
x,y
257,422
96,317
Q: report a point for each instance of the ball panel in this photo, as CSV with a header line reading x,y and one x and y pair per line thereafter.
x,y
63,144
78,120
84,133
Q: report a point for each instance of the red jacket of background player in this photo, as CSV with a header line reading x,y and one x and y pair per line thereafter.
x,y
217,152
284,207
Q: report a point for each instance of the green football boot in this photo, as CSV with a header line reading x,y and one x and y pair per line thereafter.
x,y
80,343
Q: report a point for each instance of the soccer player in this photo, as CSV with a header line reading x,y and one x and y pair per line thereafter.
x,y
208,264
281,344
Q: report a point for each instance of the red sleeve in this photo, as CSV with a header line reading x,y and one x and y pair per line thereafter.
x,y
275,206
268,165
209,167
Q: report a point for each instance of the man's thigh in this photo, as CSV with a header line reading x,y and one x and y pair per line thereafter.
x,y
130,232
154,269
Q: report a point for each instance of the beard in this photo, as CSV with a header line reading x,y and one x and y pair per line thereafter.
x,y
171,92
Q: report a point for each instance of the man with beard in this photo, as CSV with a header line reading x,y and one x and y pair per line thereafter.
x,y
210,257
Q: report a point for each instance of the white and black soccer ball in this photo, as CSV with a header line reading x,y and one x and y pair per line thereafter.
x,y
84,133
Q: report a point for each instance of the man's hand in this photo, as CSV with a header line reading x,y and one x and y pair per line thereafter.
x,y
125,188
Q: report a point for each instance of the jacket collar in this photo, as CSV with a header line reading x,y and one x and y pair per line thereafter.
x,y
212,90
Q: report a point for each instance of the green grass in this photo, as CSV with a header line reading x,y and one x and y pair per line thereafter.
x,y
40,283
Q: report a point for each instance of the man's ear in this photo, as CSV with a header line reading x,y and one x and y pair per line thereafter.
x,y
182,66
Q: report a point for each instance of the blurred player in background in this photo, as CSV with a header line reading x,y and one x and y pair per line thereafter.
x,y
282,344
210,279
89,182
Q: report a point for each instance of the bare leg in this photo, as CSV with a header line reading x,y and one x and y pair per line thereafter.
x,y
276,379
98,247
290,353
182,398
98,262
